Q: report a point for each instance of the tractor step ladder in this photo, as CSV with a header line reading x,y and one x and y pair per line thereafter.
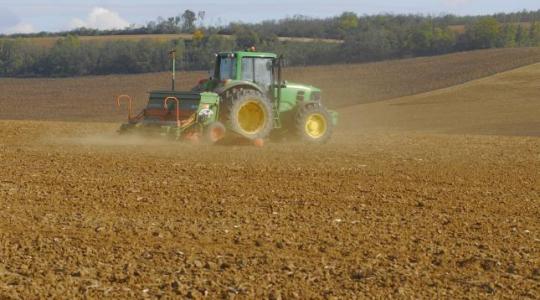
x,y
275,110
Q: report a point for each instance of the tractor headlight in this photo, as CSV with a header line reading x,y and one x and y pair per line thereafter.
x,y
205,114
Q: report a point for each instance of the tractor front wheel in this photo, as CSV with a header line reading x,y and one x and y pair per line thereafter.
x,y
314,124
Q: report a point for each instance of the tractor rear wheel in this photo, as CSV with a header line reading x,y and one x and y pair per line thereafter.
x,y
250,114
314,124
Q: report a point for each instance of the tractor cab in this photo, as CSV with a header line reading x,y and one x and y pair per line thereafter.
x,y
255,67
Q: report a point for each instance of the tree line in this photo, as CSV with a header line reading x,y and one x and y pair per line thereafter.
x,y
365,38
71,57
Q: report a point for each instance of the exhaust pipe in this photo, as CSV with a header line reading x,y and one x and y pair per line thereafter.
x,y
172,54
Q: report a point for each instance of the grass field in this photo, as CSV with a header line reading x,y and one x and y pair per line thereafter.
x,y
462,28
504,104
409,199
51,40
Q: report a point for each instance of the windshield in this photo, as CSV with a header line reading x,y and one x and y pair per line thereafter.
x,y
258,70
227,68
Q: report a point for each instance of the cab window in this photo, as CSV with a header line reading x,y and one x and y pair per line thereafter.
x,y
227,68
257,70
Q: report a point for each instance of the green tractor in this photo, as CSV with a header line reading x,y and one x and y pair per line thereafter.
x,y
244,97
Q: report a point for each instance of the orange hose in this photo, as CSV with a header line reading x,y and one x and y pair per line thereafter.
x,y
166,101
130,104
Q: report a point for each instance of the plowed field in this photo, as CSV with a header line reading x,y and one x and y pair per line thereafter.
x,y
369,215
397,209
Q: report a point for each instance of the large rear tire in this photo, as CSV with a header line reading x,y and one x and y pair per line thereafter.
x,y
314,124
249,114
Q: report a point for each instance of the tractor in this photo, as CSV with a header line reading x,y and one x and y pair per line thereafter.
x,y
244,96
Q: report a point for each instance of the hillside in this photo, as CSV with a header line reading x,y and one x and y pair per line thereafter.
x,y
362,83
91,98
504,104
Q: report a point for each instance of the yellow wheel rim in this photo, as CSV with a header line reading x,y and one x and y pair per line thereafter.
x,y
316,126
251,117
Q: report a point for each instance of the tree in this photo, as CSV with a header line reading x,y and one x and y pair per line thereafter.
x,y
420,40
507,36
200,16
444,40
484,33
348,21
66,58
374,44
246,38
534,34
10,62
188,21
522,36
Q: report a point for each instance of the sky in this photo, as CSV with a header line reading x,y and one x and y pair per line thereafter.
x,y
26,16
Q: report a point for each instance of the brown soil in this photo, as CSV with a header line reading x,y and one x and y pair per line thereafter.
x,y
370,215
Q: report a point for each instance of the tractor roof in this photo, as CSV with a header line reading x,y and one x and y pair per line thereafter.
x,y
250,54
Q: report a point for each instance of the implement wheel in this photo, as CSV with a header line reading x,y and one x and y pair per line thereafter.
x,y
125,129
250,114
314,124
214,132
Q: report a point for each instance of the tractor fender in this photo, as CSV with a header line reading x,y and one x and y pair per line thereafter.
x,y
333,114
239,84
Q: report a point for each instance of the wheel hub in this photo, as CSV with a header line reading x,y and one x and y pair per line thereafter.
x,y
316,125
251,117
